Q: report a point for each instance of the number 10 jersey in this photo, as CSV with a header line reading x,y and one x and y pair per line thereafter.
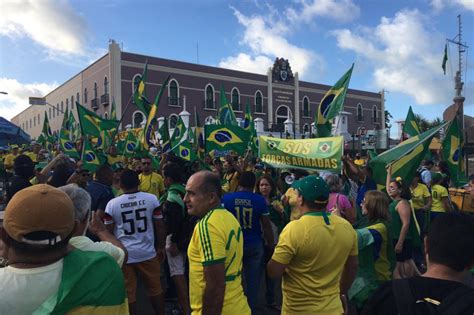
x,y
133,216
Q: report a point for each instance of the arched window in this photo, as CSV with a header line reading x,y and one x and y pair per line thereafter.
x,y
235,99
375,114
258,102
135,82
306,112
106,116
49,112
360,112
173,93
34,121
85,96
67,104
209,120
172,121
39,119
30,123
95,90
209,97
106,86
62,108
72,101
282,114
137,119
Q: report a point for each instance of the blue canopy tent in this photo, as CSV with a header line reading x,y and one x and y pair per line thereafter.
x,y
12,134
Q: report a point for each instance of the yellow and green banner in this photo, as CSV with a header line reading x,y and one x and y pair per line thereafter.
x,y
311,154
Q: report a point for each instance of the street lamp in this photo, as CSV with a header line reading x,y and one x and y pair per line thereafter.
x,y
3,92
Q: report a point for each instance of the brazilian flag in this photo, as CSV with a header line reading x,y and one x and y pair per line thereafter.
x,y
226,114
185,151
226,138
130,145
92,124
46,137
179,133
411,127
113,111
148,133
67,146
90,158
453,152
139,96
72,126
404,158
249,126
331,104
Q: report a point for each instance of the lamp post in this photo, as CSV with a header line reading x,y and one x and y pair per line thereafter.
x,y
3,92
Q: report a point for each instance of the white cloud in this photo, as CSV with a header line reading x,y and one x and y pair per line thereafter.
x,y
52,24
339,10
406,56
17,98
265,39
438,5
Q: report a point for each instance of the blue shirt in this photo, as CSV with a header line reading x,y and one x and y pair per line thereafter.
x,y
100,195
248,209
369,184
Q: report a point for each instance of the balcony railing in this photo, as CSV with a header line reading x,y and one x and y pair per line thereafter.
x,y
209,104
104,99
95,103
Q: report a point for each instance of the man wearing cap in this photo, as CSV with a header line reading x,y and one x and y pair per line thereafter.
x,y
316,255
10,158
43,275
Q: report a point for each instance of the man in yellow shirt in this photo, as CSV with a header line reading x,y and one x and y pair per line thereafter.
x,y
231,175
316,255
215,251
150,181
10,158
35,149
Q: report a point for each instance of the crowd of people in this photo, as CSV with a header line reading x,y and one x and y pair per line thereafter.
x,y
217,235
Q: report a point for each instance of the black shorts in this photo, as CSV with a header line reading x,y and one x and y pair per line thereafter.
x,y
407,251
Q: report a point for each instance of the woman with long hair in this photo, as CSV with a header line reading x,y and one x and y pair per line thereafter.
x,y
266,187
403,229
338,201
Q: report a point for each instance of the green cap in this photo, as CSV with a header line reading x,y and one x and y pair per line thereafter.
x,y
312,188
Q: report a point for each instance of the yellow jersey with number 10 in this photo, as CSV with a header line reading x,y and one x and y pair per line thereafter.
x,y
217,238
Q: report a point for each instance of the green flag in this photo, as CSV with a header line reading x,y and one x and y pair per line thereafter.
x,y
67,146
72,127
198,136
148,133
249,126
226,138
331,104
453,152
165,137
226,113
139,96
90,158
92,124
130,145
185,151
411,126
404,158
113,111
445,58
46,137
180,131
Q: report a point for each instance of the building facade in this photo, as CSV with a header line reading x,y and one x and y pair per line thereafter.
x,y
275,97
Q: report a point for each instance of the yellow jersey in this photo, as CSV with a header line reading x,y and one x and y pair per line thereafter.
x,y
217,238
112,160
291,195
8,162
231,182
438,192
33,156
419,194
152,183
315,249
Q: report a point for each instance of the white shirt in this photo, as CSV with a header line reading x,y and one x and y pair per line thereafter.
x,y
86,244
22,291
133,215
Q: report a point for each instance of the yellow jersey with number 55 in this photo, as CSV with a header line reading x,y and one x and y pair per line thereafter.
x,y
217,239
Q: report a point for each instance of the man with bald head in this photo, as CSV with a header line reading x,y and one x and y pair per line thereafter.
x,y
215,251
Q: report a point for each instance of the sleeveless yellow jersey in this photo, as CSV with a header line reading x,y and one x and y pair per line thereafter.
x,y
217,238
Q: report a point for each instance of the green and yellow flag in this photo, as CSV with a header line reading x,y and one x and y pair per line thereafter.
x,y
331,104
453,152
90,158
130,145
148,133
46,137
226,138
165,137
226,113
139,96
113,111
92,124
67,146
185,151
249,126
411,126
179,133
405,158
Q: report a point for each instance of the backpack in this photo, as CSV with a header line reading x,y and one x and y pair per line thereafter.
x,y
456,303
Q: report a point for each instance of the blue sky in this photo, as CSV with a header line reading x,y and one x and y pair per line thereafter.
x,y
396,45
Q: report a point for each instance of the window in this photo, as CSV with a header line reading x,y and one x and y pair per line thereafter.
x,y
137,119
85,96
72,102
78,99
106,116
34,121
62,105
375,113
209,97
209,120
135,82
235,99
30,123
306,112
106,86
173,93
39,119
173,120
360,113
49,112
282,114
258,102
95,90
